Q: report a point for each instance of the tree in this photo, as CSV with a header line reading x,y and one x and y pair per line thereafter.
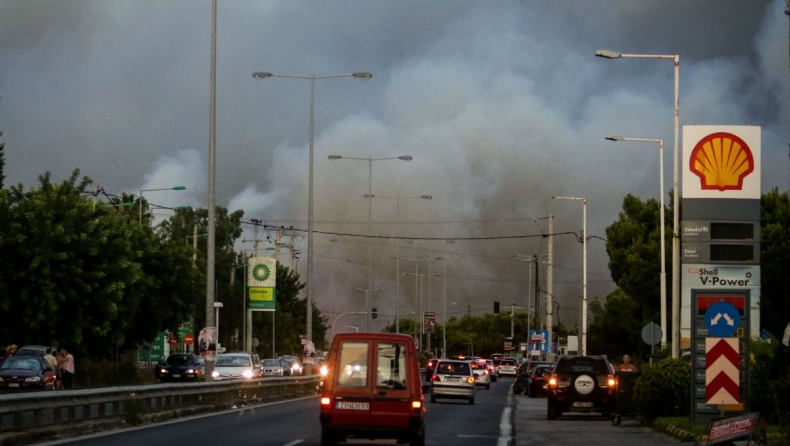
x,y
83,275
775,261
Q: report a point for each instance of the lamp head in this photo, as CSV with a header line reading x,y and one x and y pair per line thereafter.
x,y
608,54
405,158
613,137
426,197
362,75
179,188
335,157
261,75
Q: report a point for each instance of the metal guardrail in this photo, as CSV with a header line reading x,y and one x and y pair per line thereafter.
x,y
25,411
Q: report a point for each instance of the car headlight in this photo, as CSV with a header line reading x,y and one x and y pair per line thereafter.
x,y
324,370
33,379
247,374
215,374
163,371
191,371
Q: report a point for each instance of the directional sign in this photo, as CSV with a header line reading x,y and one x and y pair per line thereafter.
x,y
722,319
721,371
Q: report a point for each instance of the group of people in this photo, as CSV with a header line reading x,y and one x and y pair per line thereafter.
x,y
62,362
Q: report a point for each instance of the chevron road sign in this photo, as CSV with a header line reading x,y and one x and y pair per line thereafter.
x,y
721,373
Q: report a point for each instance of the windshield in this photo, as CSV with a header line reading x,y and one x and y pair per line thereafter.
x,y
271,363
13,363
233,361
179,360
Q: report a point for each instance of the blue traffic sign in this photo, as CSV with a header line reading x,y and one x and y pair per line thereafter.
x,y
722,319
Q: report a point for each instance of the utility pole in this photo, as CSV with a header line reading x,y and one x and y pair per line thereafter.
x,y
537,296
787,12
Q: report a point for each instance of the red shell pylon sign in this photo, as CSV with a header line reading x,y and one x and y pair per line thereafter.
x,y
721,371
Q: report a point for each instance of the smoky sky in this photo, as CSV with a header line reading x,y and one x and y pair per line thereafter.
x,y
502,105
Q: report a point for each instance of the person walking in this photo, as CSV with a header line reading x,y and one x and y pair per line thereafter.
x,y
67,368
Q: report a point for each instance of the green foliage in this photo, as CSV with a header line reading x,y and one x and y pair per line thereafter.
x,y
81,275
775,261
616,328
663,389
770,382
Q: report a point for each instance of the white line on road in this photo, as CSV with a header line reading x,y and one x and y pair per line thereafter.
x,y
504,423
295,442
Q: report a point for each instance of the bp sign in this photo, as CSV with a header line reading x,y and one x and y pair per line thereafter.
x,y
261,283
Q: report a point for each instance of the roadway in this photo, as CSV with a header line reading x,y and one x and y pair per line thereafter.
x,y
497,418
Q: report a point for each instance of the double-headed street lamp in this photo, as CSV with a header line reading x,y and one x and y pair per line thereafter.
x,y
584,268
370,209
397,249
152,190
312,79
663,275
676,202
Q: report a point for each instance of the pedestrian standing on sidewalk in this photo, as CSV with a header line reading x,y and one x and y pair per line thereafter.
x,y
627,366
67,368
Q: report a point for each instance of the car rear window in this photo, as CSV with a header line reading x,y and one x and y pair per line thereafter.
x,y
508,362
582,366
352,369
391,366
453,368
179,360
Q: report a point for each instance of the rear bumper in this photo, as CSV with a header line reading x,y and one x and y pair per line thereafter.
x,y
416,426
453,391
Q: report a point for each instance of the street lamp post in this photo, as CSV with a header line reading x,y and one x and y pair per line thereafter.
x,y
676,202
663,275
312,79
584,269
397,249
370,210
152,190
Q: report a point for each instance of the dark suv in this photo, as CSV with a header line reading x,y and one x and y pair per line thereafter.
x,y
581,384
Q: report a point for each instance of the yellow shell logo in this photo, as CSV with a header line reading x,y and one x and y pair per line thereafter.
x,y
721,161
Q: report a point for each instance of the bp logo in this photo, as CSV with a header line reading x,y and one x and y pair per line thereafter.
x,y
261,272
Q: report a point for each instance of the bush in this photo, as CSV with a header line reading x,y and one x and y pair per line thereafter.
x,y
770,382
663,389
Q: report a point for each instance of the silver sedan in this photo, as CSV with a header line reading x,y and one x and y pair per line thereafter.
x,y
453,379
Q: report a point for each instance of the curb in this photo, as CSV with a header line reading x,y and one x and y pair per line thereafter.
x,y
682,434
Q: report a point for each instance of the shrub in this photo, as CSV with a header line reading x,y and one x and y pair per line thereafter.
x,y
663,389
770,382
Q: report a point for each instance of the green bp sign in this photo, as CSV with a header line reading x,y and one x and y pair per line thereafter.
x,y
261,283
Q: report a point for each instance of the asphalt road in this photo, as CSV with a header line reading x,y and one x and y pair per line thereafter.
x,y
490,421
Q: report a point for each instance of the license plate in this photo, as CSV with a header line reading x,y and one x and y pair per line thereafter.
x,y
583,404
453,379
13,385
352,405
176,376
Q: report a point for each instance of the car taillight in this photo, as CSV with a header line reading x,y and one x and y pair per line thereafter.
x,y
326,401
435,378
416,404
470,380
485,372
611,382
553,381
324,370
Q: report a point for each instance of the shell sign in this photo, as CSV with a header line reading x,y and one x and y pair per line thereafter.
x,y
721,162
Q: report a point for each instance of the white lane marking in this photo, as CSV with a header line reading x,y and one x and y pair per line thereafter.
x,y
293,443
504,423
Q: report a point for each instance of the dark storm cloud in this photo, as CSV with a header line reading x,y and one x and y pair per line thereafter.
x,y
501,104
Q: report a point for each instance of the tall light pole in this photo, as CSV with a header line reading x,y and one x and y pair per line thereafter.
x,y
397,199
152,190
310,284
676,202
663,275
584,268
211,248
370,210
